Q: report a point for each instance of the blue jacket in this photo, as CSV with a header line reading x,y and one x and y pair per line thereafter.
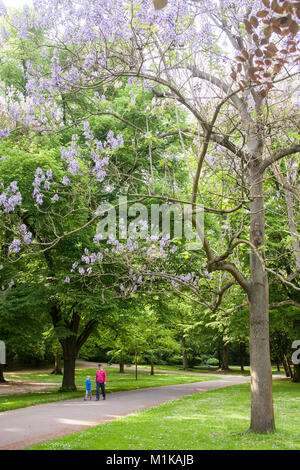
x,y
88,385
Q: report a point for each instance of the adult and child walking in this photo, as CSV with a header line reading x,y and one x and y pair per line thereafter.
x,y
100,384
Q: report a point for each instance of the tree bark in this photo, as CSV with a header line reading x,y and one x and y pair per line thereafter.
x,y
136,369
57,364
184,353
219,358
292,225
224,360
262,414
296,377
121,367
286,369
242,352
70,355
2,379
152,368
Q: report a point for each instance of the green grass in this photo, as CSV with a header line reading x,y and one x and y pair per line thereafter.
x,y
215,419
233,370
115,382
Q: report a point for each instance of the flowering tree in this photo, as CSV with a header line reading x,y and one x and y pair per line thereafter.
x,y
230,67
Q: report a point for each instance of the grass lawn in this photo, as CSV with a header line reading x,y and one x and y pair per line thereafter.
x,y
233,370
115,382
215,419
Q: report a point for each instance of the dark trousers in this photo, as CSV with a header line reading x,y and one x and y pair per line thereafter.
x,y
98,385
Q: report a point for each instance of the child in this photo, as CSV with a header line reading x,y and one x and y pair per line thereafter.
x,y
88,388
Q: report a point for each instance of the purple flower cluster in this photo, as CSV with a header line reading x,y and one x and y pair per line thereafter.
x,y
15,246
4,133
114,142
27,236
10,198
39,177
88,259
71,156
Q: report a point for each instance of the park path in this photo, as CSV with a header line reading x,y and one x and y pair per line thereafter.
x,y
15,386
29,426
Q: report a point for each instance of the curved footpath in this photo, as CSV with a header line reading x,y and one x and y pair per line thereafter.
x,y
28,426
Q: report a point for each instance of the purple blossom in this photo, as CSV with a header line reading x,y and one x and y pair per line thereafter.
x,y
65,181
27,238
23,229
15,246
39,198
9,203
49,174
13,187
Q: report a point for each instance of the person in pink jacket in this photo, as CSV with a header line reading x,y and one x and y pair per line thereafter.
x,y
100,382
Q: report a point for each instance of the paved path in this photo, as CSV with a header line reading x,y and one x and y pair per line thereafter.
x,y
28,426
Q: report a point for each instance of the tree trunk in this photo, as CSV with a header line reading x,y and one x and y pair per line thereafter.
x,y
57,364
184,353
262,414
219,358
2,379
242,352
70,355
152,368
278,364
224,361
121,367
286,369
293,228
296,377
136,369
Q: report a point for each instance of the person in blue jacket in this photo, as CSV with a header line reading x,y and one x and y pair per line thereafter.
x,y
88,388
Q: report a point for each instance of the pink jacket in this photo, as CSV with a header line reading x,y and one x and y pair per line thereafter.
x,y
101,376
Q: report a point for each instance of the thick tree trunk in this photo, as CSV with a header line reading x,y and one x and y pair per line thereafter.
x,y
224,361
2,379
69,374
262,414
70,355
184,352
121,367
